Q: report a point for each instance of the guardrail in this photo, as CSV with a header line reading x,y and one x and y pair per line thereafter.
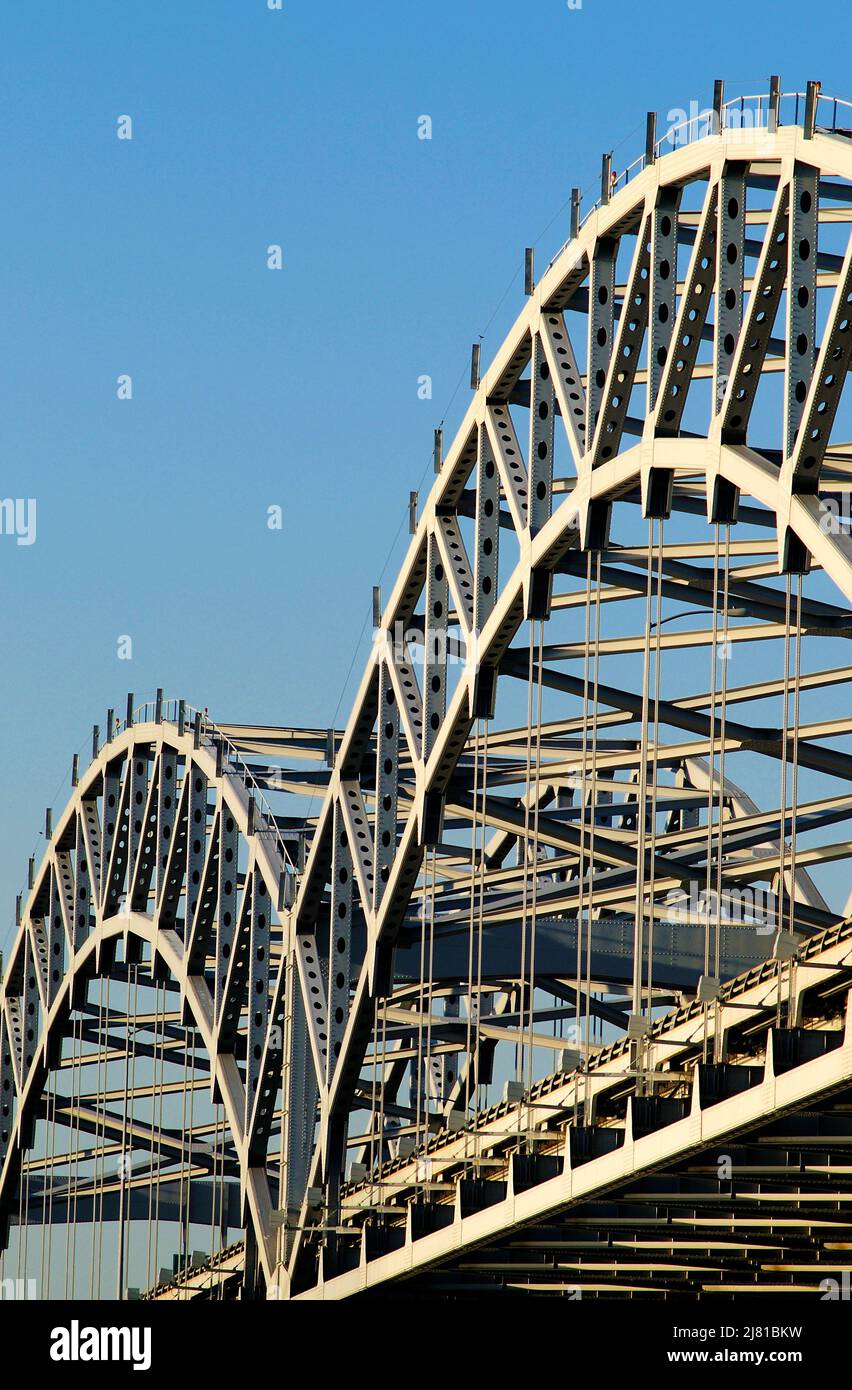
x,y
171,711
760,112
149,711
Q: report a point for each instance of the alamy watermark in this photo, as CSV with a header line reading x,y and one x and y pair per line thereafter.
x,y
18,517
747,123
17,1290
82,1343
835,514
748,906
443,645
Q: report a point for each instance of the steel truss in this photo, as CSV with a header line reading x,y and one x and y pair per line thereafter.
x,y
447,1000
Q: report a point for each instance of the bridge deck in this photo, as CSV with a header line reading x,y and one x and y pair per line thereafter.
x,y
692,1176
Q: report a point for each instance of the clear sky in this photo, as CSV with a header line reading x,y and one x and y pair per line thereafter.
x,y
254,387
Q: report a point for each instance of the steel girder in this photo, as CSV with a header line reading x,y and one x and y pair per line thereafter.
x,y
96,930
506,524
720,459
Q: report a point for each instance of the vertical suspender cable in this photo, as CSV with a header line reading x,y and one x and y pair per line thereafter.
x,y
590,902
421,1000
536,812
122,1160
430,996
477,1044
782,813
641,799
471,919
655,755
519,1047
717,959
583,796
711,781
795,788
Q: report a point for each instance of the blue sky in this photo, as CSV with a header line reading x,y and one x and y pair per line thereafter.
x,y
253,387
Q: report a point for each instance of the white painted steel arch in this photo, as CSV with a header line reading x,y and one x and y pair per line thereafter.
x,y
411,753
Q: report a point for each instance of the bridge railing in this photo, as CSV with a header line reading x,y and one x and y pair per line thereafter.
x,y
744,113
170,712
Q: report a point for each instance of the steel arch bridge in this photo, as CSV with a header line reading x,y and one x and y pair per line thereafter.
x,y
536,977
